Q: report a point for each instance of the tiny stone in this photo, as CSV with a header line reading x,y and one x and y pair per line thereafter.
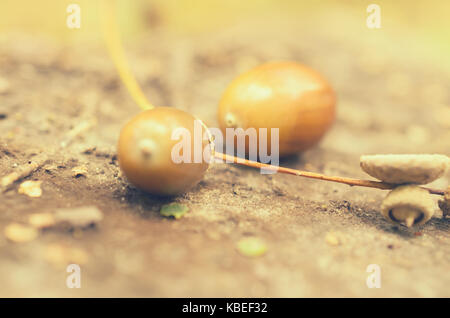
x,y
41,220
50,168
31,188
19,233
79,171
79,217
332,239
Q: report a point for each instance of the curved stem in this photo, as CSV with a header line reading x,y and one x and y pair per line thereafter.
x,y
115,48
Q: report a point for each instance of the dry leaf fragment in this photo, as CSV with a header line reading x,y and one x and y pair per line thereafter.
x,y
175,210
251,247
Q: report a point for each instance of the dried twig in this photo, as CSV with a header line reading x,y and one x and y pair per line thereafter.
x,y
24,171
313,175
77,131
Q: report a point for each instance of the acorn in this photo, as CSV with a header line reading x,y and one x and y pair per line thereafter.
x,y
409,205
285,95
145,152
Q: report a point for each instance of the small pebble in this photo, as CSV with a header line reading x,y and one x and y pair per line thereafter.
x,y
31,188
41,220
79,171
50,168
78,217
332,239
19,233
251,247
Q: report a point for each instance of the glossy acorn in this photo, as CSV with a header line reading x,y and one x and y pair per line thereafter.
x,y
145,152
285,95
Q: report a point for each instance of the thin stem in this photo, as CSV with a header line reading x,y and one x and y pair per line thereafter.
x,y
115,48
313,175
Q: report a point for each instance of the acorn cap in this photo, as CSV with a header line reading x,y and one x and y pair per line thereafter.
x,y
409,205
401,169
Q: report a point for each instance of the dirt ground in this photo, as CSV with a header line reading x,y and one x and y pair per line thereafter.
x,y
388,103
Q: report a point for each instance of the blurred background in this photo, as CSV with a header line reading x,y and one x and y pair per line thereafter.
x,y
423,24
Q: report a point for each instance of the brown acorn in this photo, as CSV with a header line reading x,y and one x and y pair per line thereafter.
x,y
285,95
145,152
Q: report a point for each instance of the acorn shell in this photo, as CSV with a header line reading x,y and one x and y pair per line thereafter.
x,y
405,168
285,95
145,152
410,198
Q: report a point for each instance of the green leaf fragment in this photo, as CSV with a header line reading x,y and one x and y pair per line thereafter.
x,y
175,210
251,247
